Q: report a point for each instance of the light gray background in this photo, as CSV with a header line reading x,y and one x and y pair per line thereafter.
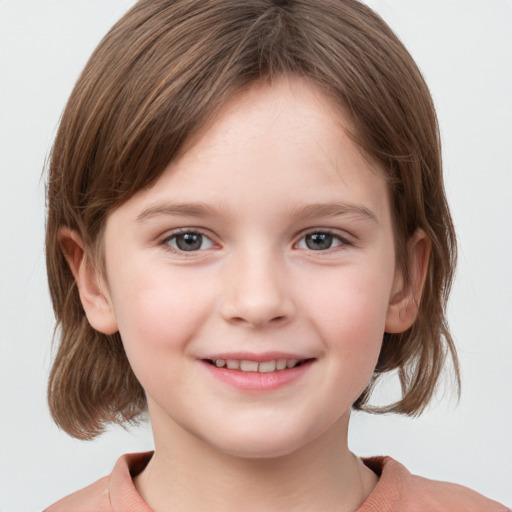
x,y
464,48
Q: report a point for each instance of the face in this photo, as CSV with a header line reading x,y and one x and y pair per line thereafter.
x,y
252,284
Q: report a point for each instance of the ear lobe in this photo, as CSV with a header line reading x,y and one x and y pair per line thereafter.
x,y
406,296
95,299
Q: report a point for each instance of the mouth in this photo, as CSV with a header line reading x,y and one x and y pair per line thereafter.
x,y
247,366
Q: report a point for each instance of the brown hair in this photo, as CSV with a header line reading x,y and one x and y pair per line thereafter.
x,y
154,80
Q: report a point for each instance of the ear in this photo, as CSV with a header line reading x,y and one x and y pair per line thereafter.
x,y
405,297
93,295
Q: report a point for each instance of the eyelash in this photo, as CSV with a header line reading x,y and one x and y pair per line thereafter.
x,y
166,242
336,237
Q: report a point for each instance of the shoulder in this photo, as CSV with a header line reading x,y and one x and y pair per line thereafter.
x,y
113,493
93,497
400,491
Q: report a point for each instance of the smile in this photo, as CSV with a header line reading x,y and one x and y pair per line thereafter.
x,y
243,365
260,373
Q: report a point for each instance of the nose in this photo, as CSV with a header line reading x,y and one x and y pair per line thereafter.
x,y
257,292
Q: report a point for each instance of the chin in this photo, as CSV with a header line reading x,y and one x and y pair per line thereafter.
x,y
259,445
267,451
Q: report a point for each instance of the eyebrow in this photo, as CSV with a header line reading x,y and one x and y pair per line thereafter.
x,y
201,210
335,210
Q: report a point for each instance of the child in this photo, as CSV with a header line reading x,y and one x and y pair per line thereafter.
x,y
247,227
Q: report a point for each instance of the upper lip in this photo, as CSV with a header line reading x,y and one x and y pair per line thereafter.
x,y
259,358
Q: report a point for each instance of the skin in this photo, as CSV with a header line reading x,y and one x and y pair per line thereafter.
x,y
254,285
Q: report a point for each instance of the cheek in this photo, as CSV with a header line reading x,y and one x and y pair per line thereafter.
x,y
351,299
350,314
157,315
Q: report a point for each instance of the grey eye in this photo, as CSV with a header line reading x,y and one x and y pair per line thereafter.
x,y
191,241
319,241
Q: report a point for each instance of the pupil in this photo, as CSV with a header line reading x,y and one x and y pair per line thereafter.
x,y
319,241
189,241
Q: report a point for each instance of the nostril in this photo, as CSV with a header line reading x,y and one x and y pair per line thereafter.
x,y
258,321
256,309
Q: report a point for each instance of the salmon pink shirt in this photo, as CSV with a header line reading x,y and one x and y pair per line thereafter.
x,y
397,491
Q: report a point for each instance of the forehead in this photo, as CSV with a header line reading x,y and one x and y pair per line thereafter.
x,y
272,147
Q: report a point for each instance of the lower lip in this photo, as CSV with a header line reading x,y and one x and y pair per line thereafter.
x,y
256,381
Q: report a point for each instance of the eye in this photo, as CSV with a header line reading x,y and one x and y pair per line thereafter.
x,y
188,241
320,241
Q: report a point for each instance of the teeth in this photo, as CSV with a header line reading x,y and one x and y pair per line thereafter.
x,y
249,366
267,366
281,364
254,366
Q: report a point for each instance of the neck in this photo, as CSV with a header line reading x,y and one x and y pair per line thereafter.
x,y
321,476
